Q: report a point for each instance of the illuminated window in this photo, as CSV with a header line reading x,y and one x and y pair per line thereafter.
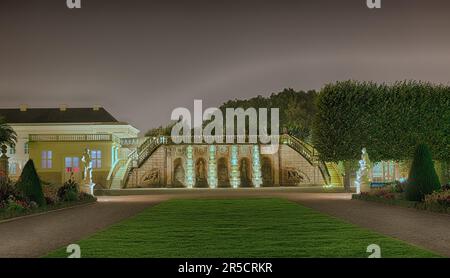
x,y
384,171
96,159
377,172
72,164
46,159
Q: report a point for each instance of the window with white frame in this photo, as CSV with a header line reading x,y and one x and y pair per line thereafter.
x,y
46,159
12,150
26,148
96,156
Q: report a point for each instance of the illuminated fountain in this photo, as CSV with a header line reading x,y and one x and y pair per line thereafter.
x,y
212,167
190,169
256,167
235,179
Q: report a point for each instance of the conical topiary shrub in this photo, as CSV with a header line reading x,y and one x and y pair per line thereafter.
x,y
422,179
30,184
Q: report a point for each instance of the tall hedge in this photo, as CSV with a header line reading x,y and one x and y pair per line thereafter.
x,y
423,179
30,184
388,120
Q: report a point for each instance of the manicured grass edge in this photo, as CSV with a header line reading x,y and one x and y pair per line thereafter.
x,y
401,203
5,216
51,254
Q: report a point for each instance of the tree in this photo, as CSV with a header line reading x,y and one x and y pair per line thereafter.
x,y
346,120
346,115
160,131
423,179
8,136
297,110
30,184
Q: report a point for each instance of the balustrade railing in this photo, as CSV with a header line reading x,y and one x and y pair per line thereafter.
x,y
220,139
70,137
148,147
129,142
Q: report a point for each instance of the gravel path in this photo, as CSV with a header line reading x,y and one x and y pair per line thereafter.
x,y
421,228
36,236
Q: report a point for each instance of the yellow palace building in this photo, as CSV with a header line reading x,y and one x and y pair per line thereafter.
x,y
56,138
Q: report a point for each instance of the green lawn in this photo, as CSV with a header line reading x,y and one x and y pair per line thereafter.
x,y
237,228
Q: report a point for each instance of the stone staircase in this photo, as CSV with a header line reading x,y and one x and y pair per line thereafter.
x,y
119,174
336,177
116,182
150,145
309,153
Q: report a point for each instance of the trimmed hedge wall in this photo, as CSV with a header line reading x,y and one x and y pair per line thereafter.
x,y
388,120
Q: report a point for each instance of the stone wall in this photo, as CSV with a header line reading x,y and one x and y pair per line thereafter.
x,y
295,170
167,167
152,173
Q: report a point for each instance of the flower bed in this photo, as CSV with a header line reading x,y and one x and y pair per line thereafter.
x,y
14,203
397,201
438,201
6,214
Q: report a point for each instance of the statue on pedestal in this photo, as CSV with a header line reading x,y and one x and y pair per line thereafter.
x,y
200,174
245,181
87,165
362,182
87,171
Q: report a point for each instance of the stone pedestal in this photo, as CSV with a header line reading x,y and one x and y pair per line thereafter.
x,y
88,188
365,186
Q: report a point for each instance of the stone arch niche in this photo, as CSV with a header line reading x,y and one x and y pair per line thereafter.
x,y
201,176
245,172
222,172
178,173
267,172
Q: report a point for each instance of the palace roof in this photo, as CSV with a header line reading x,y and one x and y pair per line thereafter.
x,y
57,115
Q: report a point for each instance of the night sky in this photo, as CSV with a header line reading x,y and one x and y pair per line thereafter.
x,y
141,59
